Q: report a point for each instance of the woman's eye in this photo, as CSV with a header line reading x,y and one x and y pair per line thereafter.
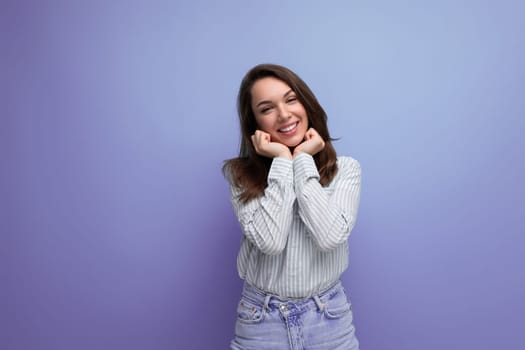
x,y
292,99
266,109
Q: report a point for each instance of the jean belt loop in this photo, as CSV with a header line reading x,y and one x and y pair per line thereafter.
x,y
319,303
267,302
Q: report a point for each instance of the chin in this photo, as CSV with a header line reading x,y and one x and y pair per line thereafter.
x,y
292,144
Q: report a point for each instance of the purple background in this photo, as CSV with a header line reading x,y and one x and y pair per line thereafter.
x,y
116,227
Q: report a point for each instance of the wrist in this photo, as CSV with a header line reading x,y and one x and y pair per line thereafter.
x,y
287,155
297,152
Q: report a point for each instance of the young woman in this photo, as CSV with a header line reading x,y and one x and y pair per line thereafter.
x,y
296,203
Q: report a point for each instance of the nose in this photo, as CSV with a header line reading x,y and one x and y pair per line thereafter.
x,y
283,112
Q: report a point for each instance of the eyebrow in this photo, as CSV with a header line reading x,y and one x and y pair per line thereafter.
x,y
266,101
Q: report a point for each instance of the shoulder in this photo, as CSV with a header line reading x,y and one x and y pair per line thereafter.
x,y
348,168
233,168
347,163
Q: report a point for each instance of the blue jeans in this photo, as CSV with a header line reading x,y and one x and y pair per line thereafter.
x,y
321,322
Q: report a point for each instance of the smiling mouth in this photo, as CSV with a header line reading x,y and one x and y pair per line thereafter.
x,y
288,128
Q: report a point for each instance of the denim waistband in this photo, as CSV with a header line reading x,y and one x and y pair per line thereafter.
x,y
271,301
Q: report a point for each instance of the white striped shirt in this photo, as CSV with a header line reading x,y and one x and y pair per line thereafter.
x,y
295,240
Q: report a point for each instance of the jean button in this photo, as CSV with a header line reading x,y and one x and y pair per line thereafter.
x,y
283,308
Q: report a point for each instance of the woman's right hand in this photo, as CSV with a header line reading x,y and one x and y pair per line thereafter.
x,y
265,147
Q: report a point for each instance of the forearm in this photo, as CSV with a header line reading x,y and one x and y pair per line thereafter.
x,y
329,215
266,220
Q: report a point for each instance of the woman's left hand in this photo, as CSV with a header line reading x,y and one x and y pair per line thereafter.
x,y
312,145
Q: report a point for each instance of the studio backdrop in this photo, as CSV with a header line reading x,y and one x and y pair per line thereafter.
x,y
116,230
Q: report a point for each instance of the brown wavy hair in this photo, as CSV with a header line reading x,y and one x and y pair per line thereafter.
x,y
249,171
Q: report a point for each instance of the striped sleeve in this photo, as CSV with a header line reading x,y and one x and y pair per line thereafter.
x,y
266,220
328,215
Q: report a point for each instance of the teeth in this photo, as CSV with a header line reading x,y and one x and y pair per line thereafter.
x,y
288,128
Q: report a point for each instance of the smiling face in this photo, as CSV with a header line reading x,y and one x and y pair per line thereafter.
x,y
278,112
